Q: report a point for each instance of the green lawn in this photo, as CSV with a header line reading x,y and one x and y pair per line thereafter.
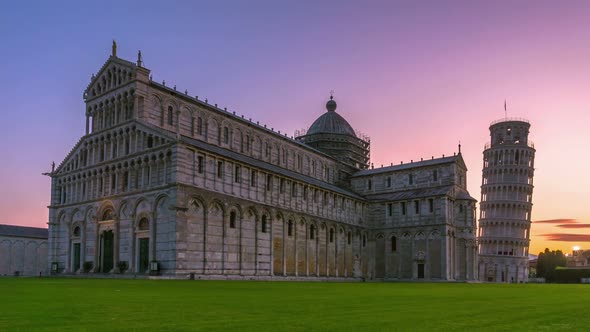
x,y
170,305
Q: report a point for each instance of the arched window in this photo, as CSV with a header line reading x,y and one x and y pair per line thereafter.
x,y
225,135
232,219
263,224
311,232
199,126
107,215
349,237
290,228
170,115
331,235
364,240
393,244
76,232
143,225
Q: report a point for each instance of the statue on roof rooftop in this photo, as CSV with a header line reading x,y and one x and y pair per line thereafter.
x,y
114,49
139,59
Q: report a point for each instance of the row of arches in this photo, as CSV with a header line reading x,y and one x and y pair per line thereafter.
x,y
503,247
111,145
520,211
256,241
258,184
112,77
515,176
503,269
136,174
518,193
504,229
506,156
105,113
108,234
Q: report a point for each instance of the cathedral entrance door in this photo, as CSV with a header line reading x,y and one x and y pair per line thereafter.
x,y
144,256
107,242
420,271
76,266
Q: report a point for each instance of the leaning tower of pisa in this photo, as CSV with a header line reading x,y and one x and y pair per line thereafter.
x,y
506,202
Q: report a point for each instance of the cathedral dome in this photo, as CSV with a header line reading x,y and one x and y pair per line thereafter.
x,y
331,122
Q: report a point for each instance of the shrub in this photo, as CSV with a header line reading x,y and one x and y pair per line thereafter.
x,y
568,276
87,266
123,266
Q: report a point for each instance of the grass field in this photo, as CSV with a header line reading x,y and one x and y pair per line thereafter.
x,y
171,305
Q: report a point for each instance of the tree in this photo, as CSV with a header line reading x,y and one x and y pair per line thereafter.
x,y
548,261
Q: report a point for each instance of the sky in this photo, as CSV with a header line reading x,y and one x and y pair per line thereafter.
x,y
418,77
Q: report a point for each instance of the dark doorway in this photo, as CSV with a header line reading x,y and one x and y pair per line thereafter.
x,y
144,256
420,271
107,241
76,257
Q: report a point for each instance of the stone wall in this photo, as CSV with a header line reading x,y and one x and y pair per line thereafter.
x,y
22,255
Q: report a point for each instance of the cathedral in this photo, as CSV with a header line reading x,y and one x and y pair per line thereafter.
x,y
164,183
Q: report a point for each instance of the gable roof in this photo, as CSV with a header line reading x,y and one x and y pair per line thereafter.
x,y
416,164
449,190
111,59
23,231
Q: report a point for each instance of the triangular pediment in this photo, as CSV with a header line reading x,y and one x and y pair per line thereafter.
x,y
460,162
114,73
76,158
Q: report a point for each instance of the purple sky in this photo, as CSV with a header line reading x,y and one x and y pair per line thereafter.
x,y
416,76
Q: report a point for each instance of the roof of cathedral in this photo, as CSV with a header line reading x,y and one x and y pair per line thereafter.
x,y
331,122
23,231
415,164
449,190
248,122
270,167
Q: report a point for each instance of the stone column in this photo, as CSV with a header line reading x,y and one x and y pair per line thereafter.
x,y
152,243
116,241
272,260
68,241
306,250
295,246
285,225
205,221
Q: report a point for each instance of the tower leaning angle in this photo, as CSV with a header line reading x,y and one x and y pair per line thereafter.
x,y
506,202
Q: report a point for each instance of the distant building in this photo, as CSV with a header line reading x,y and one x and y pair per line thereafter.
x,y
23,251
164,180
579,259
506,202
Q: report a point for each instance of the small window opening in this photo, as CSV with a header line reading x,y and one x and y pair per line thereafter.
x,y
263,225
170,116
232,220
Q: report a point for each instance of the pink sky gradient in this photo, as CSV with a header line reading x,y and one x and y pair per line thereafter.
x,y
418,77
